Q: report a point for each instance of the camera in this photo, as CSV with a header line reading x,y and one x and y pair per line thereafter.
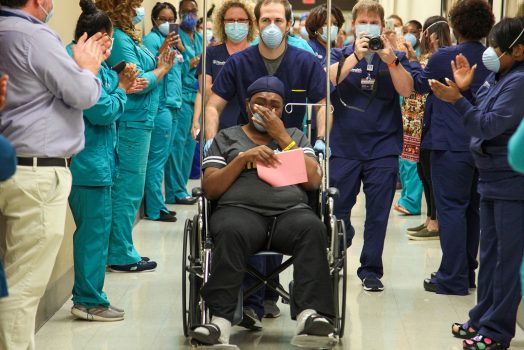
x,y
375,43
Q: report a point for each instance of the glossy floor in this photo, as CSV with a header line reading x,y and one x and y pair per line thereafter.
x,y
403,317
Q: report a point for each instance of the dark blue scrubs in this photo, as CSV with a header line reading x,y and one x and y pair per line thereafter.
x,y
453,170
320,51
304,81
302,75
365,149
216,58
498,112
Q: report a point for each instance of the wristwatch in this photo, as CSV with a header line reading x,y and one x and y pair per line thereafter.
x,y
394,63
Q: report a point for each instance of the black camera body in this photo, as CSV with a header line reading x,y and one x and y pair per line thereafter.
x,y
375,43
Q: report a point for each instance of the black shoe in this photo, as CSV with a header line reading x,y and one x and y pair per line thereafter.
x,y
172,212
145,258
141,266
166,217
186,201
372,284
250,320
430,285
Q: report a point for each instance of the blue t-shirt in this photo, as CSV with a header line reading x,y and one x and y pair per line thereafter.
x,y
302,75
377,132
216,58
443,129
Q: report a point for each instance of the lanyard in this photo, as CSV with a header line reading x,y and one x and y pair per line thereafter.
x,y
4,13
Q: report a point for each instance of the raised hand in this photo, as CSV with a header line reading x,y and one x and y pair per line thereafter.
x,y
447,93
387,55
462,72
139,85
90,53
128,76
3,90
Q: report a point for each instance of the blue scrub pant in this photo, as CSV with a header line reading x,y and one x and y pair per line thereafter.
x,y
265,265
411,195
379,177
127,192
195,167
455,181
181,157
501,250
3,282
92,211
159,150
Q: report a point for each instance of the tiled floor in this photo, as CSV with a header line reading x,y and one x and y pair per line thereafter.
x,y
403,317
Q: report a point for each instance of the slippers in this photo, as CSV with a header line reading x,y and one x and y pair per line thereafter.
x,y
206,339
463,331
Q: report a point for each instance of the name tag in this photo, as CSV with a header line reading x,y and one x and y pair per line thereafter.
x,y
369,68
367,84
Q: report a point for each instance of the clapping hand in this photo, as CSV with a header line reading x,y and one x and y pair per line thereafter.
x,y
3,90
462,72
447,93
139,85
127,76
90,53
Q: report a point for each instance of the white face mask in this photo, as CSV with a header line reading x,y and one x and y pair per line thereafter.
x,y
164,28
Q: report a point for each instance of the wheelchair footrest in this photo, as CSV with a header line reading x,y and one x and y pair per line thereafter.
x,y
314,342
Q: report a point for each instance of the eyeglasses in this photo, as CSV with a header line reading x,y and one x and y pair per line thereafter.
x,y
164,20
194,12
229,21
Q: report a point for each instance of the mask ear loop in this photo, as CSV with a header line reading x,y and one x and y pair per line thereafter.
x,y
515,41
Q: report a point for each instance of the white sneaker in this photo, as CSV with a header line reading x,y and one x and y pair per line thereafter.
x,y
97,313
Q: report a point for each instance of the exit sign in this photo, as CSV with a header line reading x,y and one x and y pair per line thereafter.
x,y
309,2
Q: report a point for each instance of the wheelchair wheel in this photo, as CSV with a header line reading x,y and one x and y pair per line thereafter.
x,y
191,276
339,279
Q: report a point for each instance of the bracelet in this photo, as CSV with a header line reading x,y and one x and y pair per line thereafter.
x,y
290,146
354,54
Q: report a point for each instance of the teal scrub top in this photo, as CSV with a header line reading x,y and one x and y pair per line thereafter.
x,y
293,41
170,88
95,165
193,49
516,149
143,106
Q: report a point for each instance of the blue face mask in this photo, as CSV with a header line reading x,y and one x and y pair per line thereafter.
x,y
411,38
48,15
304,34
349,40
334,33
272,36
490,59
164,28
371,30
189,21
140,14
236,32
258,117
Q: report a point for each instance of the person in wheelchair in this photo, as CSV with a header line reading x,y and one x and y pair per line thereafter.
x,y
248,209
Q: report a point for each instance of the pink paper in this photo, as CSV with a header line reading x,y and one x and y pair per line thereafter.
x,y
290,171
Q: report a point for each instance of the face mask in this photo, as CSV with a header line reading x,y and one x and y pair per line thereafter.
x,y
164,28
334,33
209,34
257,116
349,40
236,32
272,36
491,60
140,13
304,34
411,38
371,30
189,21
48,15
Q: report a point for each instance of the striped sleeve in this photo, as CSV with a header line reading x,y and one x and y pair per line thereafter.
x,y
303,142
214,158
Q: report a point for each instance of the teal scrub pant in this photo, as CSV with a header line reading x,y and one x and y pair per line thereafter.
x,y
128,190
159,150
411,195
91,208
181,158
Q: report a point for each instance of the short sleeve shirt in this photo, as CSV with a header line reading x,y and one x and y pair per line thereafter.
x,y
249,191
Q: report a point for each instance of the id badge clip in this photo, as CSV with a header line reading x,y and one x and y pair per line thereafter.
x,y
367,83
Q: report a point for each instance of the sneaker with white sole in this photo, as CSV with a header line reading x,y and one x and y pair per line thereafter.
x,y
141,266
97,313
271,309
250,320
372,284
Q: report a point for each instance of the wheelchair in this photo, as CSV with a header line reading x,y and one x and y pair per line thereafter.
x,y
197,259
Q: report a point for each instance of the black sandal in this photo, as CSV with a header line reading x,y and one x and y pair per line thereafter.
x,y
462,330
206,339
481,342
316,325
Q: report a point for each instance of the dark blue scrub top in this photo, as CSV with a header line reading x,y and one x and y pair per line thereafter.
x,y
7,159
320,50
498,112
216,58
443,130
302,75
377,132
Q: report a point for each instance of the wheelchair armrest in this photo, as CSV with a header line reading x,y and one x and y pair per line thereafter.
x,y
197,192
333,192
